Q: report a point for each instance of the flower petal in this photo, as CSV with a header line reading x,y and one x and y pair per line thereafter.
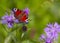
x,y
16,21
10,25
42,37
26,10
3,21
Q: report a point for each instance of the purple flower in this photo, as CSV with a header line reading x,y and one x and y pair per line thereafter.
x,y
26,10
9,20
51,31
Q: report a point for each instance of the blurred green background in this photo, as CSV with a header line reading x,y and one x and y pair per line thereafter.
x,y
41,13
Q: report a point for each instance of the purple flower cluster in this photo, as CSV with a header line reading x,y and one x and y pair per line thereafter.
x,y
51,31
9,19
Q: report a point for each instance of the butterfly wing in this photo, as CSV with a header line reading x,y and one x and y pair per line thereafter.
x,y
23,18
17,13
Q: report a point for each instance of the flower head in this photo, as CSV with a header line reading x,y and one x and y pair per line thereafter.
x,y
9,20
51,31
